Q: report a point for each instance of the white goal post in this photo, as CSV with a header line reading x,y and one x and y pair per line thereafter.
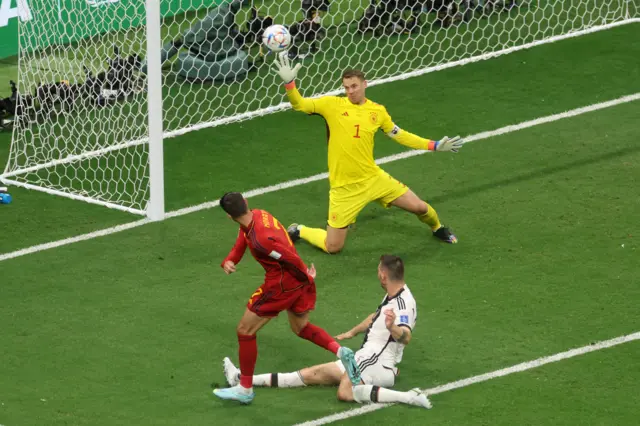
x,y
102,83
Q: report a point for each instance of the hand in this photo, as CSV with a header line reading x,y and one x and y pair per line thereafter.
x,y
348,335
229,267
449,144
283,67
389,318
312,271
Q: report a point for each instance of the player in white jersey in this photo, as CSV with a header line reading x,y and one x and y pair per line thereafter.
x,y
387,332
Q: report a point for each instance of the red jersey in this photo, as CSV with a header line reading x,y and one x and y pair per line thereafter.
x,y
271,246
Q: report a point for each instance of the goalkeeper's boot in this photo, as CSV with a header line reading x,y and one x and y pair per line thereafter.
x,y
231,372
418,399
235,393
350,364
294,232
444,234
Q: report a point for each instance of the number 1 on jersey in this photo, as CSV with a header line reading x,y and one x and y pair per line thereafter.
x,y
357,135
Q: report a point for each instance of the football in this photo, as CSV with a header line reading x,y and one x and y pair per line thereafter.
x,y
277,38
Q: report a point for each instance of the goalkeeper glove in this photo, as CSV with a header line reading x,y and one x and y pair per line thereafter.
x,y
283,68
448,144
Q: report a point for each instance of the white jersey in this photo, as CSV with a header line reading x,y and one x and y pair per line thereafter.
x,y
378,345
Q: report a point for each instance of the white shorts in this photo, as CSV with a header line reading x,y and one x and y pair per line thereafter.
x,y
373,372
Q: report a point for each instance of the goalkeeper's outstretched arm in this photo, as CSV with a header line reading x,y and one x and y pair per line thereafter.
x,y
288,76
416,142
297,101
411,140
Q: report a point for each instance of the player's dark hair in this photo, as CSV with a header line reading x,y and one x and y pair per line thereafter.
x,y
234,204
350,73
394,266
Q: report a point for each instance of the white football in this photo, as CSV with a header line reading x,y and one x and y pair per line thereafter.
x,y
277,38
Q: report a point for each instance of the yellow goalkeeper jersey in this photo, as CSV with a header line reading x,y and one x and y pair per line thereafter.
x,y
351,129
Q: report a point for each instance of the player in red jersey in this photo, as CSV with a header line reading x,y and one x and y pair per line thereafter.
x,y
288,285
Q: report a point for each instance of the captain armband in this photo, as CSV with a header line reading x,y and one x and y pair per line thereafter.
x,y
394,132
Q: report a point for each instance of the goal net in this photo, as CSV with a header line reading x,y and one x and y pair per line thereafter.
x,y
77,114
82,125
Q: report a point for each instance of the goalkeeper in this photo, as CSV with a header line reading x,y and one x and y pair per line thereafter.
x,y
355,179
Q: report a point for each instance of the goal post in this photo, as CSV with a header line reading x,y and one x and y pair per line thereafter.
x,y
81,128
155,208
104,83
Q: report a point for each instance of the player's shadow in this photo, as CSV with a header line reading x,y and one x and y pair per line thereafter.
x,y
543,172
378,214
535,174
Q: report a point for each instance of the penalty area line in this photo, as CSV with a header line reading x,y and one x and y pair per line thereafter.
x,y
482,377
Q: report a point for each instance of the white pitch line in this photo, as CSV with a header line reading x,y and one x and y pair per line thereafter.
x,y
482,378
76,239
321,176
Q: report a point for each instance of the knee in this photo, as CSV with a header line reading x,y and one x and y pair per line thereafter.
x,y
297,328
421,208
334,247
244,329
345,394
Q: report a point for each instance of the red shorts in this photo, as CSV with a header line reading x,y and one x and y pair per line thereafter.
x,y
269,300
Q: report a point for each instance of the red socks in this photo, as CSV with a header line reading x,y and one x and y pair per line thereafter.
x,y
248,351
248,356
320,337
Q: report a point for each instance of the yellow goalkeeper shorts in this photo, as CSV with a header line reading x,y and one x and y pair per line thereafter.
x,y
346,202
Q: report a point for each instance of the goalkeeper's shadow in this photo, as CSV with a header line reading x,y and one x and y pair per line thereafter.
x,y
543,172
376,214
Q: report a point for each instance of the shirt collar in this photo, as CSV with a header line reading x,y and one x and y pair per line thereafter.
x,y
250,227
397,294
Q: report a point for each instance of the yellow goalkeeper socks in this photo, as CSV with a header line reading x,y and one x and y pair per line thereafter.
x,y
430,218
314,236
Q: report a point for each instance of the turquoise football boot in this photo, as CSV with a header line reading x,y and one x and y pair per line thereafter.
x,y
350,365
235,393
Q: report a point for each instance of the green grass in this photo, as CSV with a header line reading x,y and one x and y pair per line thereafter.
x,y
487,95
131,328
546,396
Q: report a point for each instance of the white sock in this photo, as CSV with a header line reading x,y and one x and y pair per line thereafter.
x,y
369,393
262,380
279,380
244,390
388,395
287,380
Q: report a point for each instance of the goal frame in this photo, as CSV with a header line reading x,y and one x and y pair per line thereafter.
x,y
155,207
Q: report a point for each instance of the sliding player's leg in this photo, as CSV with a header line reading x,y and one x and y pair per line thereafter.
x,y
345,389
328,374
365,394
319,375
392,192
345,203
374,387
